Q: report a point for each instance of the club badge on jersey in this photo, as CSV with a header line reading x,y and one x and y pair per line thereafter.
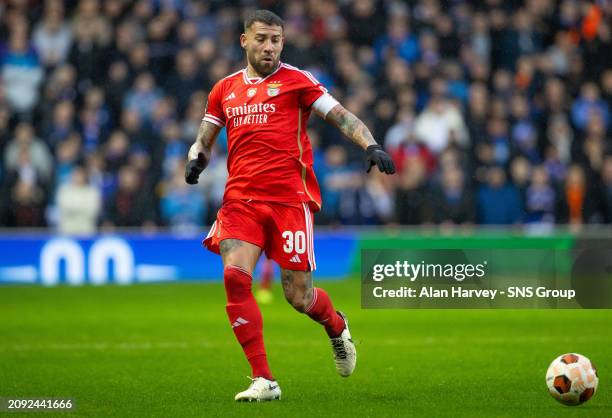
x,y
274,89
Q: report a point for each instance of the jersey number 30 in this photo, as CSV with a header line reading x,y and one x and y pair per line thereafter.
x,y
294,241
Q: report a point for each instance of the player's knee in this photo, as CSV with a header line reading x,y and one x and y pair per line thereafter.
x,y
237,283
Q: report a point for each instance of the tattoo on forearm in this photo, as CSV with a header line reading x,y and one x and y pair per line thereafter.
x,y
206,136
351,126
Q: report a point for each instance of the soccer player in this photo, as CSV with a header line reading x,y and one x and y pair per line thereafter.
x,y
271,193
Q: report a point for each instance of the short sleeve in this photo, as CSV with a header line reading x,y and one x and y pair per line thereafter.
x,y
311,89
214,110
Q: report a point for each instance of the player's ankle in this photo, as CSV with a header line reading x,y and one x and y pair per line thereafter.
x,y
264,375
336,332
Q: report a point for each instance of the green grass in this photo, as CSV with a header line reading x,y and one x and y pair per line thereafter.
x,y
167,350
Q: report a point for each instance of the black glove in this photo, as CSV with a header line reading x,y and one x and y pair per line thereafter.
x,y
194,168
375,155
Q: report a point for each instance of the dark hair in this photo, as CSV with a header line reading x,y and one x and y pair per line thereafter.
x,y
263,16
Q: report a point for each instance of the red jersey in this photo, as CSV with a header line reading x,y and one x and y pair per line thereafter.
x,y
269,153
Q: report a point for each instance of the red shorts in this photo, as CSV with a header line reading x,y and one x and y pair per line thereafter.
x,y
282,230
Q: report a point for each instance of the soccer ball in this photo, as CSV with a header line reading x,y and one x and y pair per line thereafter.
x,y
572,379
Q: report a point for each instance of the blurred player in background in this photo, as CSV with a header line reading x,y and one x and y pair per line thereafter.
x,y
264,295
272,193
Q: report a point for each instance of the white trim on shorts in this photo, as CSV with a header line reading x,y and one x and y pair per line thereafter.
x,y
309,237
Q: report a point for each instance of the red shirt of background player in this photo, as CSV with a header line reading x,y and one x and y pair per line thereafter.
x,y
269,153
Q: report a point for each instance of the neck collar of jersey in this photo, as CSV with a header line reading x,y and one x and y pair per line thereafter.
x,y
258,80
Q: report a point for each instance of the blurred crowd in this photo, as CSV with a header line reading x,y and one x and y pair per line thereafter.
x,y
495,112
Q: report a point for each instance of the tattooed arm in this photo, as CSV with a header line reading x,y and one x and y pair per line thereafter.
x,y
354,129
351,126
200,151
207,135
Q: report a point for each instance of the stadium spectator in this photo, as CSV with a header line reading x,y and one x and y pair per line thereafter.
x,y
117,83
99,177
499,202
164,113
62,85
193,115
440,125
559,135
499,139
557,169
540,198
410,147
129,206
89,19
26,142
52,37
148,171
589,105
358,206
79,205
185,79
180,207
452,201
67,156
520,175
399,41
92,130
89,48
399,132
523,131
477,112
60,125
596,39
338,180
213,184
380,196
143,96
174,149
480,38
137,131
116,151
21,72
26,205
366,21
575,208
411,195
187,34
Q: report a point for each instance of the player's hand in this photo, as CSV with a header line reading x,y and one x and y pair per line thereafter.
x,y
194,168
375,155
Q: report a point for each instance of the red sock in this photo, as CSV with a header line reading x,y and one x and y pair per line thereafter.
x,y
245,317
322,310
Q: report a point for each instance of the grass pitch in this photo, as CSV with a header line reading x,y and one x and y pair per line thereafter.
x,y
168,350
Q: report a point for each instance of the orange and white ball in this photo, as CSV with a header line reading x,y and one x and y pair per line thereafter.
x,y
572,379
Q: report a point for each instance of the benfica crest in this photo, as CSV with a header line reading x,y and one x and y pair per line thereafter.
x,y
274,89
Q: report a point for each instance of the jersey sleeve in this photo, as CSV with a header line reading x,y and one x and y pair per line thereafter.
x,y
214,111
311,89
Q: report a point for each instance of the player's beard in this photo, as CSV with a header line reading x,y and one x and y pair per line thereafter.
x,y
262,67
